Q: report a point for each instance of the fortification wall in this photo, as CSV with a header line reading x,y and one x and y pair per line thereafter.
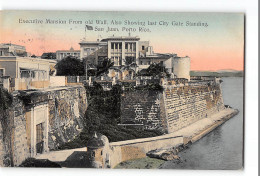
x,y
66,110
176,107
13,144
133,149
60,110
186,104
143,107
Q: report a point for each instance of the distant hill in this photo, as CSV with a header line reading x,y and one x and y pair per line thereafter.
x,y
219,73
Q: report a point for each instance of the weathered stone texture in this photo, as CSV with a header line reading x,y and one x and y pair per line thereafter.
x,y
188,103
142,107
13,143
178,106
66,108
66,111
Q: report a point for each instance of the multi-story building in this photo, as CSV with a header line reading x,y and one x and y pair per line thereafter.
x,y
131,53
9,49
60,54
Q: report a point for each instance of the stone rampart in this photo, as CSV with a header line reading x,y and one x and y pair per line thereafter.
x,y
143,107
39,121
176,107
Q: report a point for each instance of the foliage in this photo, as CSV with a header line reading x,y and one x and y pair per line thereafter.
x,y
70,66
155,70
103,115
48,56
32,162
150,86
104,67
6,99
52,70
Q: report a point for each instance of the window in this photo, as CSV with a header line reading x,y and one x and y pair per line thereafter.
x,y
126,46
116,61
149,62
112,45
143,47
116,46
141,63
39,138
1,72
120,45
101,153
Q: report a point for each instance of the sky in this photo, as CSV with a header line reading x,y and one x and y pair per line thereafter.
x,y
218,45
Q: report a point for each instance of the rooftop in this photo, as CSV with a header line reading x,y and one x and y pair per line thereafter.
x,y
133,38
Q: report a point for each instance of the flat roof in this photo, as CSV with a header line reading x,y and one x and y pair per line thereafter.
x,y
27,59
133,38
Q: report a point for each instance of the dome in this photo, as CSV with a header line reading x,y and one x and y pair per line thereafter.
x,y
97,141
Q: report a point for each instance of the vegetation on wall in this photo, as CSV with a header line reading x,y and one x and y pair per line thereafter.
x,y
154,70
103,116
6,100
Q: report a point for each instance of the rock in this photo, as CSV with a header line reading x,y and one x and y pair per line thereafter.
x,y
168,155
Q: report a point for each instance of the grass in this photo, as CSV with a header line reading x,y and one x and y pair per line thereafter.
x,y
142,163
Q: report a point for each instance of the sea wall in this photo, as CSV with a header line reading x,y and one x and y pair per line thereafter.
x,y
188,103
133,149
143,107
39,121
176,107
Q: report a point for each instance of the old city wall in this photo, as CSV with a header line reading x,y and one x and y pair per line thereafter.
x,y
144,107
13,146
133,149
66,112
186,104
65,108
176,107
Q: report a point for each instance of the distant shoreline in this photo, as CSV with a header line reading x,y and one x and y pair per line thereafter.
x,y
218,73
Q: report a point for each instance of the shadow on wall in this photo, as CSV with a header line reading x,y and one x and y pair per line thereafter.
x,y
77,159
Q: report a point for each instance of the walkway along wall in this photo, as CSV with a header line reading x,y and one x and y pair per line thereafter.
x,y
41,120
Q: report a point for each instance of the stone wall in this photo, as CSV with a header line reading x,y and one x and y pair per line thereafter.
x,y
143,107
13,143
176,107
133,149
186,104
65,107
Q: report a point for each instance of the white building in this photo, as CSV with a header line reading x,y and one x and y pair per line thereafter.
x,y
132,53
60,54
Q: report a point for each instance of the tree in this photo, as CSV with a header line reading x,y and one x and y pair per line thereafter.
x,y
155,70
106,64
70,66
48,56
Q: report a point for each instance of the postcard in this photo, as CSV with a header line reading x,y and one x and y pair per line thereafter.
x,y
121,90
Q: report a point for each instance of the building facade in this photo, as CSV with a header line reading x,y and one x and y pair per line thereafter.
x,y
131,54
60,54
26,72
9,49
